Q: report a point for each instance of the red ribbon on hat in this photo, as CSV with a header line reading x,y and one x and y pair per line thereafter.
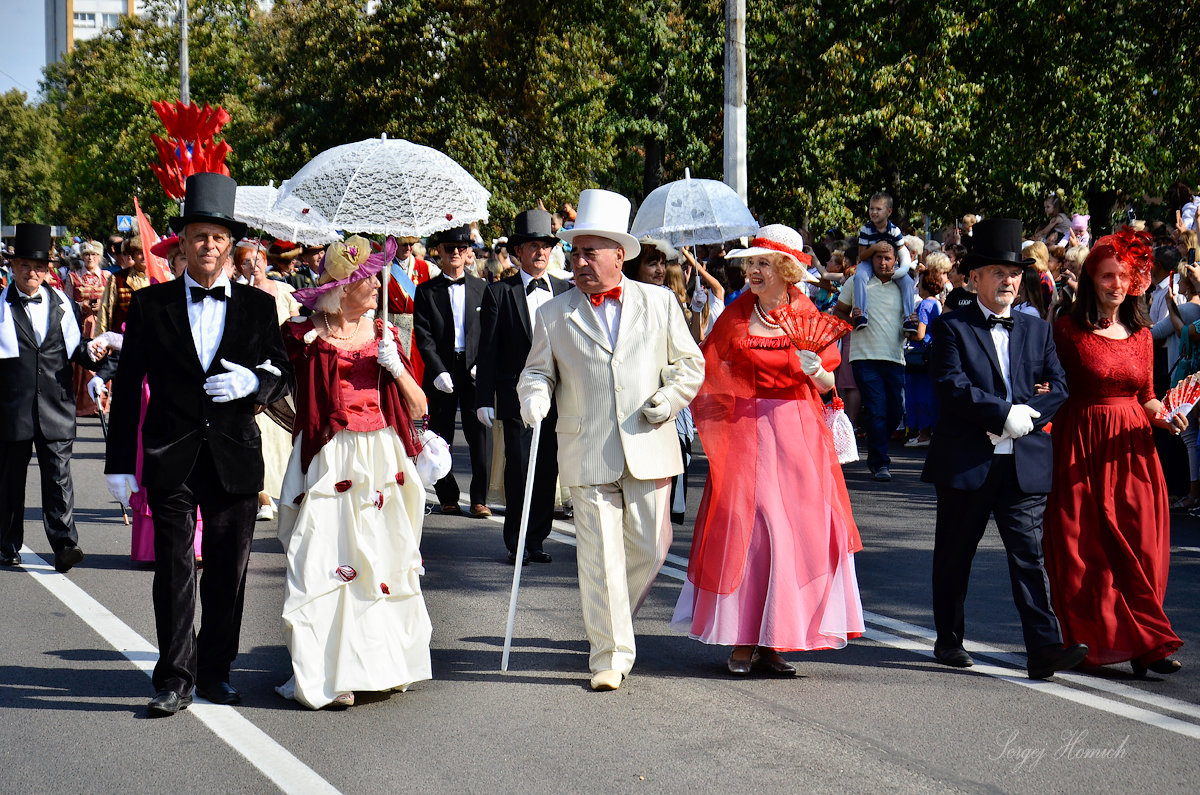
x,y
598,298
762,242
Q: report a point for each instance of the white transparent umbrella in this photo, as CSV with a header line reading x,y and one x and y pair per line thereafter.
x,y
693,212
259,207
388,187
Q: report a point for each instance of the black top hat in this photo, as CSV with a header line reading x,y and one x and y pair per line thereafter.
x,y
531,225
459,234
210,199
32,242
995,241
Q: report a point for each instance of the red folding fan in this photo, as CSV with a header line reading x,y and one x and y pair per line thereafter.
x,y
810,330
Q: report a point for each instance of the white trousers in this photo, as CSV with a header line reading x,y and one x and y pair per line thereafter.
x,y
623,532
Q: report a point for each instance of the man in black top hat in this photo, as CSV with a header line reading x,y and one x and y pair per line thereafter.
x,y
211,352
998,382
446,329
39,339
507,320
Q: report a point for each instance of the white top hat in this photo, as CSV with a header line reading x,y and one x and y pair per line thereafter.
x,y
778,239
604,214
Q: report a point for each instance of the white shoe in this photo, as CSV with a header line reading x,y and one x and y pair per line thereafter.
x,y
607,680
344,699
266,513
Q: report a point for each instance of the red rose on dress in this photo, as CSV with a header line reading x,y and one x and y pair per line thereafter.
x,y
342,485
379,500
383,587
346,573
400,478
299,498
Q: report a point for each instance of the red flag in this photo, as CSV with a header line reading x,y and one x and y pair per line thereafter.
x,y
156,266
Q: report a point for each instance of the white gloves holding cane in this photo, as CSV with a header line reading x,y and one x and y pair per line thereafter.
x,y
389,356
534,409
121,486
96,388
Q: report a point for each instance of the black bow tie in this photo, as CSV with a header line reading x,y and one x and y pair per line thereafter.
x,y
19,296
215,293
537,284
462,280
996,320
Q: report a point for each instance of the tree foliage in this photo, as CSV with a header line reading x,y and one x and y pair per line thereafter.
x,y
950,105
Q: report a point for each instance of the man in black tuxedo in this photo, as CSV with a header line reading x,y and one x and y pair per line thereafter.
x,y
998,380
210,351
509,312
39,339
446,328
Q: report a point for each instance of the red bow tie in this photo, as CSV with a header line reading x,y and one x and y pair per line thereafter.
x,y
598,298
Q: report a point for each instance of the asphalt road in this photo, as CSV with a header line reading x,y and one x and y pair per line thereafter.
x,y
878,715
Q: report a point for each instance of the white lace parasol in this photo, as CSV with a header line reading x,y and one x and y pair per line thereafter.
x,y
258,206
388,186
692,212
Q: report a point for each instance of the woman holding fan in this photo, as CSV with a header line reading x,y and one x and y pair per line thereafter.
x,y
1107,529
772,563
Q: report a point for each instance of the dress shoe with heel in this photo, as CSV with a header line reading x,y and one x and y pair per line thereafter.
x,y
1042,663
219,693
166,703
954,656
1166,666
66,559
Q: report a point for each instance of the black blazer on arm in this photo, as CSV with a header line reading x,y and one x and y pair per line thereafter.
x,y
505,337
159,348
972,399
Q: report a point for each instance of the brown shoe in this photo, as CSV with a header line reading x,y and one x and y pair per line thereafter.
x,y
480,511
451,509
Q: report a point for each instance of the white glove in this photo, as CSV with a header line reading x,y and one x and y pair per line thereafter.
x,y
810,363
102,344
238,382
1020,420
473,371
121,486
657,409
486,415
96,388
699,298
444,383
389,356
534,409
269,368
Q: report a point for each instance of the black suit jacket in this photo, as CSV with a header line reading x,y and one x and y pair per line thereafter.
x,y
433,325
505,337
37,394
181,416
971,394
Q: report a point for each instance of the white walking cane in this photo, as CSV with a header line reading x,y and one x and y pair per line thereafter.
x,y
512,600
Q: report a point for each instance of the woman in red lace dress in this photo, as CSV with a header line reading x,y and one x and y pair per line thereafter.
x,y
772,561
84,287
1107,528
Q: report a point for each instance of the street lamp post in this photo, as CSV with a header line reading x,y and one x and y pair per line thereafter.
x,y
735,96
184,89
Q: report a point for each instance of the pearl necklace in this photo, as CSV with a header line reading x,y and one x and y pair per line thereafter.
x,y
762,317
329,331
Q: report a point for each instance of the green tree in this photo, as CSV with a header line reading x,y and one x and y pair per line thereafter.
x,y
29,161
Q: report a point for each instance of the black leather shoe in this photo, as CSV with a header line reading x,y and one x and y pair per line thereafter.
x,y
10,560
512,558
1042,664
769,660
1166,666
65,560
166,703
954,656
537,556
219,693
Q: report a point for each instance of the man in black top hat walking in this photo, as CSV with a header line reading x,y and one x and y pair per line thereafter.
x,y
998,382
446,329
507,321
211,352
39,339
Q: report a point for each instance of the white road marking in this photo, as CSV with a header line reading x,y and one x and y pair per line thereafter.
x,y
276,762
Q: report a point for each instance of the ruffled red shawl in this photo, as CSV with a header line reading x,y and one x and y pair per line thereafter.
x,y
725,412
320,408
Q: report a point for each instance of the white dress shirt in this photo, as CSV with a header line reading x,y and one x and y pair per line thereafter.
x,y
535,299
39,313
458,303
1000,340
609,313
207,318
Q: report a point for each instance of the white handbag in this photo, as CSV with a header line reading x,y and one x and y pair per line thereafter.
x,y
434,460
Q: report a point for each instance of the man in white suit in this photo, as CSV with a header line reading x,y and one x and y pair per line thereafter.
x,y
619,360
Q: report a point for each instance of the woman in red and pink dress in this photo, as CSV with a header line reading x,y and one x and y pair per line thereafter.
x,y
772,560
85,286
1107,526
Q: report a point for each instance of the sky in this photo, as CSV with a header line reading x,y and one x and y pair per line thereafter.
x,y
22,45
